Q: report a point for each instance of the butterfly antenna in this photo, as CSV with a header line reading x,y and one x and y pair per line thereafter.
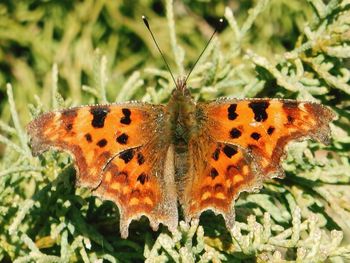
x,y
161,53
200,55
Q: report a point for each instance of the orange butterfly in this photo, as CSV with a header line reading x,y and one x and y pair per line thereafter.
x,y
147,157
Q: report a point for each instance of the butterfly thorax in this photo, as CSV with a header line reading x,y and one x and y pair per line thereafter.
x,y
182,110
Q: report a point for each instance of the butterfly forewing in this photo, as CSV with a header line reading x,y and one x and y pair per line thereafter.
x,y
114,147
265,126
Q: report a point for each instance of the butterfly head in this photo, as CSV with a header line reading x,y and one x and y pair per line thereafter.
x,y
181,96
181,92
181,87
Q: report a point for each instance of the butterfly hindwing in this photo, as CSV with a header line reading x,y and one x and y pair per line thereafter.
x,y
114,147
216,181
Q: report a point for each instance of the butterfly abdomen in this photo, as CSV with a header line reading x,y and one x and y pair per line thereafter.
x,y
183,121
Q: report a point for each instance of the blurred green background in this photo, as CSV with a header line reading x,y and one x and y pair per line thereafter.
x,y
64,53
36,34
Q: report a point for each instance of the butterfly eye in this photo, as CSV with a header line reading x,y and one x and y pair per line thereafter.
x,y
187,92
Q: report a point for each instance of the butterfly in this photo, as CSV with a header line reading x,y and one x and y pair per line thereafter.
x,y
146,158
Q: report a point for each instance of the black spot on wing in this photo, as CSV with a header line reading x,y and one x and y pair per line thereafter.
x,y
256,136
216,154
270,130
99,114
126,118
123,138
235,133
290,107
231,112
101,143
213,173
140,158
88,137
68,117
69,126
142,178
259,110
229,151
127,155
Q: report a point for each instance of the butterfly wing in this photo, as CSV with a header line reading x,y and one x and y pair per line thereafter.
x,y
240,143
218,173
119,154
265,126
